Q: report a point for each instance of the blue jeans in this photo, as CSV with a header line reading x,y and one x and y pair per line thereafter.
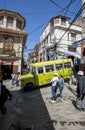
x,y
53,89
13,81
61,89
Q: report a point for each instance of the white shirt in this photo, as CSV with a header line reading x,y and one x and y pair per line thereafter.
x,y
54,81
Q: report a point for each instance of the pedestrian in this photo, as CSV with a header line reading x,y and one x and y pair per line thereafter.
x,y
80,101
4,96
61,85
13,78
17,78
72,79
54,86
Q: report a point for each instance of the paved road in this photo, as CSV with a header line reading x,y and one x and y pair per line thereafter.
x,y
34,110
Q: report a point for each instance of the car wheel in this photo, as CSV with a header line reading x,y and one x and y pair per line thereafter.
x,y
29,87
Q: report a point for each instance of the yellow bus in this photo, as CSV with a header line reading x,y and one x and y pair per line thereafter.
x,y
41,73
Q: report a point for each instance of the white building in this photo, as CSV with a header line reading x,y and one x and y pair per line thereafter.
x,y
57,38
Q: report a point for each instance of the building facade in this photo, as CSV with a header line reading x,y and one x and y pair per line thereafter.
x,y
57,38
12,42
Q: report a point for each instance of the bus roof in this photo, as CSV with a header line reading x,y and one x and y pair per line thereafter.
x,y
39,64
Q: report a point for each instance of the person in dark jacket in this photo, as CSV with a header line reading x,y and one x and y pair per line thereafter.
x,y
80,100
4,96
80,84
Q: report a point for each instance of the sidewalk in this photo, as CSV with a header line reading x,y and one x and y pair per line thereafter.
x,y
34,109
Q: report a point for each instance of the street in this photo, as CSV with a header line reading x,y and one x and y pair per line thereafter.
x,y
34,110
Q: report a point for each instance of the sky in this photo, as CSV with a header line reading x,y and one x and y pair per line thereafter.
x,y
38,14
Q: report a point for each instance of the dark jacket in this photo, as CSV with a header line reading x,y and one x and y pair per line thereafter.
x,y
81,85
5,95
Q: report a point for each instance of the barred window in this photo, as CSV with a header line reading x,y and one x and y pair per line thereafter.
x,y
10,21
19,24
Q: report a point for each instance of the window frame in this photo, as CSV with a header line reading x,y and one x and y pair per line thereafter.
x,y
10,21
73,37
19,24
63,21
60,67
49,68
66,63
40,70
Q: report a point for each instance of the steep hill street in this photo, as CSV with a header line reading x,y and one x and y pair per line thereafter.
x,y
34,110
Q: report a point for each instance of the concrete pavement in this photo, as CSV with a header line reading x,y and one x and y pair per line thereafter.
x,y
34,110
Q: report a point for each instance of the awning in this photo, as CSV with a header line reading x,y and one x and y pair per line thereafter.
x,y
69,53
75,44
6,63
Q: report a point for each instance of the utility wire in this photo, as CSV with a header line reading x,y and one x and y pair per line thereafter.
x,y
37,28
61,6
68,6
60,12
77,15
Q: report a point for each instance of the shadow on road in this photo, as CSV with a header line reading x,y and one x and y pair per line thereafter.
x,y
29,110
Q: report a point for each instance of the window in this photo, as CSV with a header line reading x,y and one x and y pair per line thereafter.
x,y
7,44
19,24
49,68
73,37
67,65
9,21
7,47
56,20
63,21
59,66
1,20
40,70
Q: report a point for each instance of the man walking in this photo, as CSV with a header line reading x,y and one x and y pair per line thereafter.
x,y
54,87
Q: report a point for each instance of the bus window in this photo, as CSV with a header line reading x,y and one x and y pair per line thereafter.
x,y
40,70
49,68
59,66
67,65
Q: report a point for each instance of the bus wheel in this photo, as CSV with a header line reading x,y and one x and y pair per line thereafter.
x,y
29,87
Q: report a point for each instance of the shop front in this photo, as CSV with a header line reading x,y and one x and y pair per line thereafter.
x,y
7,68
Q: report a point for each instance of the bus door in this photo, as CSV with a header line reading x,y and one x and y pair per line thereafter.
x,y
39,77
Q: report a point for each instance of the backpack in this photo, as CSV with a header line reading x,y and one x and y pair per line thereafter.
x,y
58,84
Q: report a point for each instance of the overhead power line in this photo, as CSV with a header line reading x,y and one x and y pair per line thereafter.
x,y
63,9
77,15
68,6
